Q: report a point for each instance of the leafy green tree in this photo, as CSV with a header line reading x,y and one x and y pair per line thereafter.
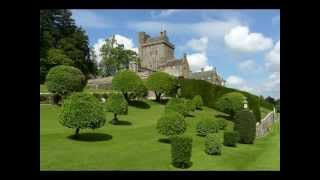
x,y
115,57
64,80
58,31
117,104
161,83
197,100
82,111
270,100
130,84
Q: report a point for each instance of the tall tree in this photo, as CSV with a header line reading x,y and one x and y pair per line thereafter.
x,y
58,31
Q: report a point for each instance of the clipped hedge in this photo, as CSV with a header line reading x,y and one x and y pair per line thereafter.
x,y
222,123
171,123
211,92
181,150
231,138
245,124
207,125
213,145
177,105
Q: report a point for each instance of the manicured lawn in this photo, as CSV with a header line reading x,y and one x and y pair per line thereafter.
x,y
135,146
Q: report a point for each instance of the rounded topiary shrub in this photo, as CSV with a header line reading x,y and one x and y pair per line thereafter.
x,y
181,150
230,138
207,125
171,123
245,124
82,111
63,80
191,106
213,144
222,123
230,103
177,105
197,100
116,104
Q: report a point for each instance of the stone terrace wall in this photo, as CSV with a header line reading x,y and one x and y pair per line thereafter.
x,y
263,128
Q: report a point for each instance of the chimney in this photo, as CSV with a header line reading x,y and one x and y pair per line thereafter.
x,y
161,34
202,69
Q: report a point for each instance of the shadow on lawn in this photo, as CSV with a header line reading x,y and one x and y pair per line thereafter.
x,y
164,140
91,137
139,104
224,116
121,123
189,115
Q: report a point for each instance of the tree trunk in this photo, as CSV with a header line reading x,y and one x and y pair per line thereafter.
x,y
76,135
115,119
158,95
126,96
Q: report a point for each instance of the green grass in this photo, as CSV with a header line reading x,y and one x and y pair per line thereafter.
x,y
136,146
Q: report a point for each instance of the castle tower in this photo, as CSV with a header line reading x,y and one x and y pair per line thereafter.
x,y
155,51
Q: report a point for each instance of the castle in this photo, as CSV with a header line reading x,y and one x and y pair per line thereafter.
x,y
157,54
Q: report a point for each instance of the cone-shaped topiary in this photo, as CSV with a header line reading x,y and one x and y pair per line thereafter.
x,y
82,111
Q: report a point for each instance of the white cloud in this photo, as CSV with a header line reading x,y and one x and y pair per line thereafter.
x,y
208,68
235,81
198,44
211,28
168,12
241,39
127,42
273,59
249,66
197,61
88,19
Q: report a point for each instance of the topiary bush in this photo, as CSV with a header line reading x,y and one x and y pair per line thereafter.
x,y
171,123
230,103
177,105
118,105
191,106
64,80
207,125
130,84
82,111
222,123
197,100
245,124
231,138
210,93
181,151
213,144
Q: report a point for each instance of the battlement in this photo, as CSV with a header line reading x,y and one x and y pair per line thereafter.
x,y
147,40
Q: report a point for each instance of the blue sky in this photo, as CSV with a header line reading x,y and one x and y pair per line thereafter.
x,y
243,45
